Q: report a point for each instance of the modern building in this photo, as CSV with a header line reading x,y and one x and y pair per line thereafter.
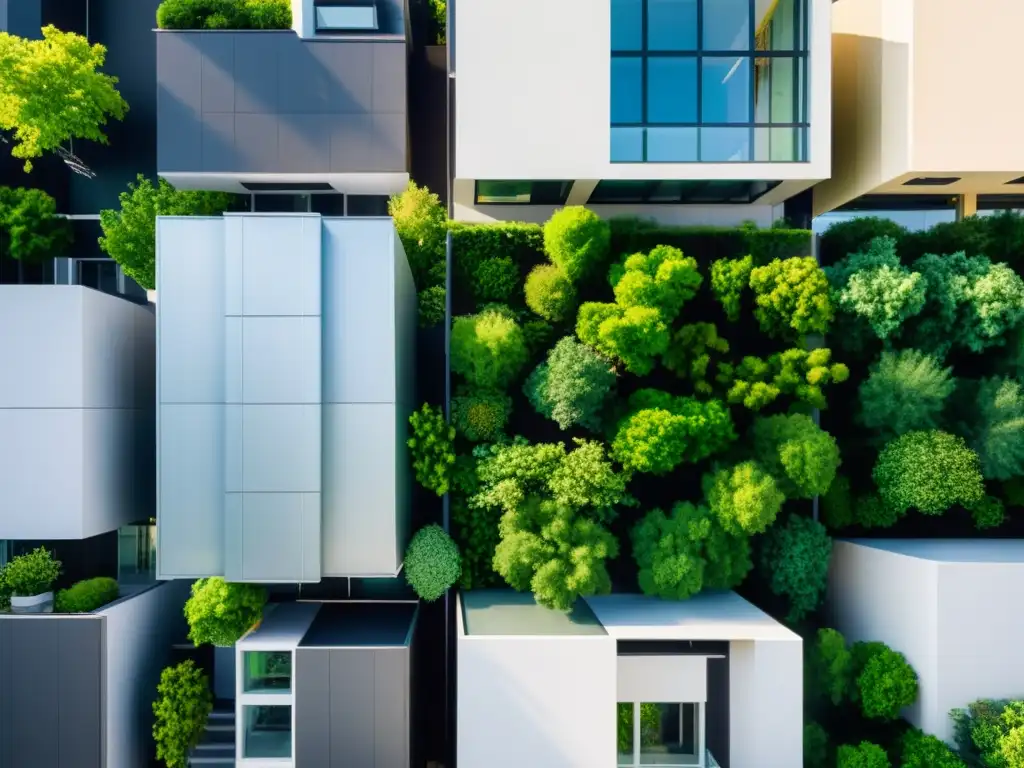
x,y
722,681
699,111
939,602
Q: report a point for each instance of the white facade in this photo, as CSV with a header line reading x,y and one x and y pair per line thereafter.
x,y
945,604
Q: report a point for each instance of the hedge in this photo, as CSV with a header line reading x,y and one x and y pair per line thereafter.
x,y
87,595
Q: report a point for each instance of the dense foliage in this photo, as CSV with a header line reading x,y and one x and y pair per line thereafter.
x,y
634,336
577,240
488,349
886,683
922,750
863,755
32,573
420,220
431,448
930,471
573,386
550,293
220,612
794,560
744,497
996,430
86,595
990,733
183,704
224,14
802,457
792,297
30,229
905,391
480,416
663,279
432,563
729,279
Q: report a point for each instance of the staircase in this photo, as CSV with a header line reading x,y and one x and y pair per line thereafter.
x,y
216,749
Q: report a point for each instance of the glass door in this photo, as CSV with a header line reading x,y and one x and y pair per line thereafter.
x,y
660,734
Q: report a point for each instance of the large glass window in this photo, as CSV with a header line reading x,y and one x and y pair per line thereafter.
x,y
708,81
660,734
268,731
267,671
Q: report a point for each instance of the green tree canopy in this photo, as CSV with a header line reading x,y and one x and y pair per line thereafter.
x,y
800,373
51,92
30,229
744,497
550,293
905,391
421,222
432,562
635,336
487,349
886,683
573,386
577,240
794,560
829,668
219,612
792,297
922,750
993,423
864,755
690,352
729,279
800,455
930,471
663,279
184,702
431,449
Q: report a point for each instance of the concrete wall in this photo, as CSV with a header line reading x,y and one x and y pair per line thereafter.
x,y
271,102
77,420
352,707
543,702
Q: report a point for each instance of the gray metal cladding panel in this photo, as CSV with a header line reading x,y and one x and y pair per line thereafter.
x,y
391,707
6,693
312,708
35,687
80,703
352,708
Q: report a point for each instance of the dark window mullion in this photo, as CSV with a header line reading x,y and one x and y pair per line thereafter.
x,y
700,76
643,79
752,80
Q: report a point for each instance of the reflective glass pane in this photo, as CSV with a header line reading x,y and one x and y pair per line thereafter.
x,y
726,90
672,90
668,734
786,144
624,749
784,94
503,191
627,25
627,145
726,25
672,25
627,87
725,145
267,671
268,731
779,29
671,145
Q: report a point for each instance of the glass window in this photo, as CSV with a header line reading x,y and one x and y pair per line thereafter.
x,y
503,192
672,145
627,25
267,671
627,89
725,86
627,145
327,204
658,734
671,25
272,203
725,145
268,731
672,90
726,25
367,205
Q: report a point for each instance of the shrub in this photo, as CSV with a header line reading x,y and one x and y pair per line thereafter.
x,y
29,225
829,668
476,533
729,279
487,349
224,14
802,457
988,513
573,387
550,293
873,512
886,683
636,336
815,746
5,590
756,383
420,222
32,573
432,563
680,554
864,755
994,427
837,505
182,706
794,560
554,551
930,471
439,16
905,391
586,478
792,297
219,612
431,448
922,750
577,240
661,430
87,595
744,498
480,416
537,335
690,351
855,235
431,306
982,728
663,279
495,280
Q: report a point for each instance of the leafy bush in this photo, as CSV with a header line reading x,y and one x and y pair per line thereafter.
x,y
476,243
182,706
855,235
864,755
87,595
794,561
802,457
573,387
905,391
886,683
487,349
577,240
988,513
432,563
689,353
650,726
744,498
431,306
815,746
875,512
756,383
480,416
224,14
663,279
930,471
729,279
129,235
30,228
420,222
829,668
635,336
660,431
439,16
219,612
683,553
995,427
5,589
550,293
990,733
431,446
922,750
837,504
792,297
495,279
556,552
32,573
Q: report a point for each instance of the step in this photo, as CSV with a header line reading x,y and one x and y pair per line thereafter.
x,y
222,714
223,736
223,762
216,749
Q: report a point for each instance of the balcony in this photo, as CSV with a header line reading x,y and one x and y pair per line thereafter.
x,y
272,107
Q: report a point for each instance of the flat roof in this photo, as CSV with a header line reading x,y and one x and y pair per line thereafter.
x,y
715,615
951,550
369,624
507,612
283,625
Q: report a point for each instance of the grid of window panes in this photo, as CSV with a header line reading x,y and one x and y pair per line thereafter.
x,y
708,81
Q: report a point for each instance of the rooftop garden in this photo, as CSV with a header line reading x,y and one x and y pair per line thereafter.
x,y
224,14
35,573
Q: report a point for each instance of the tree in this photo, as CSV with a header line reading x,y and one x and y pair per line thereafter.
x,y
431,306
855,235
586,478
829,668
930,471
432,563
30,229
690,351
794,561
219,612
815,746
988,513
802,457
922,750
635,336
994,427
549,548
729,279
663,279
183,704
51,92
573,386
660,431
550,293
886,683
421,222
129,235
864,755
905,391
792,297
487,349
480,416
756,383
577,240
431,447
680,554
744,498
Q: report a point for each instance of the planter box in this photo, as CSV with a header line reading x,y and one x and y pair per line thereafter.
x,y
41,603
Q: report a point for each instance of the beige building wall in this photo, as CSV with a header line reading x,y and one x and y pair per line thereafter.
x,y
920,89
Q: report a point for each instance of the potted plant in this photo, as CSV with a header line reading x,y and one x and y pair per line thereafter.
x,y
30,578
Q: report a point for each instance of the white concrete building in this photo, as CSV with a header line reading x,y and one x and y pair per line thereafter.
x,y
626,681
693,111
948,605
